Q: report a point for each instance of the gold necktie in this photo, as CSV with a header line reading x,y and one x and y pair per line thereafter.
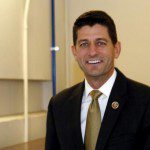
x,y
93,121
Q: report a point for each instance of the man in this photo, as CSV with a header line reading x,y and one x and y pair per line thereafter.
x,y
117,117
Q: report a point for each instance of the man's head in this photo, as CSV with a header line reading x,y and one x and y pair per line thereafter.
x,y
95,45
95,17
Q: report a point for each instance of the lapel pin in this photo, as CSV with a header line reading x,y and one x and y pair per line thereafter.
x,y
115,105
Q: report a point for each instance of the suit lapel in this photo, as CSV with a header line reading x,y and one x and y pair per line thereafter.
x,y
111,114
73,106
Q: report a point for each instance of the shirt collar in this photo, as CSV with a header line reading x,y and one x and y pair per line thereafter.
x,y
105,88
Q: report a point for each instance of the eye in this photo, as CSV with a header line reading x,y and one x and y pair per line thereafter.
x,y
84,44
101,43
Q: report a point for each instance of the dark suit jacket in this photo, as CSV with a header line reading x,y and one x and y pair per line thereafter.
x,y
125,128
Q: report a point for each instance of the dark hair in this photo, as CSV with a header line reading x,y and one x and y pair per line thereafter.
x,y
95,17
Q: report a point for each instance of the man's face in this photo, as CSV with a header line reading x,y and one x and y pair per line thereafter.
x,y
94,51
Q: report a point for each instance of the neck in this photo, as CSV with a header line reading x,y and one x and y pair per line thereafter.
x,y
97,82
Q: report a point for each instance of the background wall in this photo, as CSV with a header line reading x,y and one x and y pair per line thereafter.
x,y
133,27
12,101
12,118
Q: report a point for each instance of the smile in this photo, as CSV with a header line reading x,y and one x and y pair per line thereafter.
x,y
93,61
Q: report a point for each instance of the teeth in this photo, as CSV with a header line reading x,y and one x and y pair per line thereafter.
x,y
93,61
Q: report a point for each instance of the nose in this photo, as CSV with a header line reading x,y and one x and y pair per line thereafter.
x,y
92,50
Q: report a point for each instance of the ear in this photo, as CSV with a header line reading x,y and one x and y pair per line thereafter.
x,y
117,49
74,51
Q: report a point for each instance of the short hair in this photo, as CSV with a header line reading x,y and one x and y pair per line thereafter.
x,y
95,17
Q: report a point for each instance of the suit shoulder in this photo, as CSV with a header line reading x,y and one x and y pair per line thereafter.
x,y
138,88
63,95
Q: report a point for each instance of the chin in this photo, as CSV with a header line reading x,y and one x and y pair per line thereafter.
x,y
94,74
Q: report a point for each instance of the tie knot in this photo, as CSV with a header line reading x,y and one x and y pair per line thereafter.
x,y
95,94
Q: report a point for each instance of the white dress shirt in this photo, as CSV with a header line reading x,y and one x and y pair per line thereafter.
x,y
103,99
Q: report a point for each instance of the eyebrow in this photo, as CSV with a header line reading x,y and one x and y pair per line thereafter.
x,y
101,39
98,39
83,40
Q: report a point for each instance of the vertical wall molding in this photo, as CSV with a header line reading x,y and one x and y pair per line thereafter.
x,y
25,68
68,52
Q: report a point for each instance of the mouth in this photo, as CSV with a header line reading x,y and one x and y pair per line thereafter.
x,y
94,61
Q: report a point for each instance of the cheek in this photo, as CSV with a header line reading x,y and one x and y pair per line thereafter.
x,y
79,58
107,54
108,57
81,55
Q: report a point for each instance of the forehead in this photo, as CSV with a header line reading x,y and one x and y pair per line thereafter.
x,y
95,31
